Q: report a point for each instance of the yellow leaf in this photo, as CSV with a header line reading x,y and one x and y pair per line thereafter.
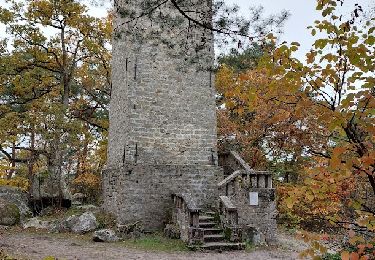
x,y
289,202
310,196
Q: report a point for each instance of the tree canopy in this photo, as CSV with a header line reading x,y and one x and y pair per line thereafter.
x,y
316,115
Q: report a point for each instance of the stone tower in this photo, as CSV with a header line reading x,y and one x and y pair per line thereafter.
x,y
162,137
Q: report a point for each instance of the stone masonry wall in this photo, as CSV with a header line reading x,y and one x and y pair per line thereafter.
x,y
162,135
143,192
258,219
261,217
162,107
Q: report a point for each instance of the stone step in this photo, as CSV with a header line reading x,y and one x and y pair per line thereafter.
x,y
214,238
212,231
210,213
206,218
207,224
223,246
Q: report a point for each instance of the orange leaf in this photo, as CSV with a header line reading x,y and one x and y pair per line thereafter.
x,y
345,255
354,256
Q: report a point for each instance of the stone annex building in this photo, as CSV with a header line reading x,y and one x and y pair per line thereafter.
x,y
163,165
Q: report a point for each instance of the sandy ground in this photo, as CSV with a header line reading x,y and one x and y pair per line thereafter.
x,y
27,245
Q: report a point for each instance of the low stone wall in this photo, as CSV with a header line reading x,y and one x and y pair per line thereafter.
x,y
256,216
143,192
261,217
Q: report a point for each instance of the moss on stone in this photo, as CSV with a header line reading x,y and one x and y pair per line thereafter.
x,y
9,214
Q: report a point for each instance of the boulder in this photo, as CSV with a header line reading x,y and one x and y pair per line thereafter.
x,y
82,224
78,196
18,197
37,223
9,213
50,186
78,199
133,230
88,207
76,203
105,235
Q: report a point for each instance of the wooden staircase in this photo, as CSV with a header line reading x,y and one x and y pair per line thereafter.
x,y
214,238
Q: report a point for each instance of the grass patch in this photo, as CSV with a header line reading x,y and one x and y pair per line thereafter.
x,y
249,247
156,242
328,256
5,256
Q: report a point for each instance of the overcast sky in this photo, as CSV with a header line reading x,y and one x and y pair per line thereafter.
x,y
302,12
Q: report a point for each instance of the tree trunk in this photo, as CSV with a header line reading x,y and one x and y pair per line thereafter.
x,y
13,162
31,161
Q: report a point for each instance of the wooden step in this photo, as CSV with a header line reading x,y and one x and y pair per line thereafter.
x,y
214,238
223,246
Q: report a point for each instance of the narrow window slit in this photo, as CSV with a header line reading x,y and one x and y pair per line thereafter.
x,y
135,69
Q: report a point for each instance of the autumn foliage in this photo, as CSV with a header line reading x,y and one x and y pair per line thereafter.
x,y
317,114
54,89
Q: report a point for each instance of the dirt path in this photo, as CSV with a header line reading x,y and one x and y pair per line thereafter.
x,y
27,245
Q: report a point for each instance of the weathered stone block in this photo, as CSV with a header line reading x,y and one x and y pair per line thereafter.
x,y
9,213
145,193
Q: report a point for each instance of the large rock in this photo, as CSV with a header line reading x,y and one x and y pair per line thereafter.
x,y
37,223
89,207
9,213
50,186
82,224
19,198
105,235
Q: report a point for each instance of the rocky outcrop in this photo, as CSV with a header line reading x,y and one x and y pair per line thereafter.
x,y
105,235
37,224
82,224
17,197
78,199
9,213
49,186
88,207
